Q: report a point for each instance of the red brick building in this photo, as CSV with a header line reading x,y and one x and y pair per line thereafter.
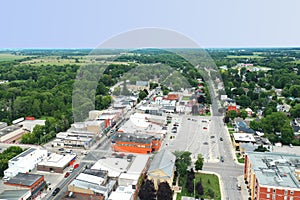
x,y
135,143
272,176
34,182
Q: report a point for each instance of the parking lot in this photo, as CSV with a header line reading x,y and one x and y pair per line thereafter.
x,y
193,134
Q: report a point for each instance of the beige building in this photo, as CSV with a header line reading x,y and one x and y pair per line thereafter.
x,y
162,168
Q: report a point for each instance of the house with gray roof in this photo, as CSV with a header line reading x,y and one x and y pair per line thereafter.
x,y
162,168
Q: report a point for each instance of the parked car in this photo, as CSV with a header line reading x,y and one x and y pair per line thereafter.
x,y
67,174
204,128
76,166
56,191
239,187
221,139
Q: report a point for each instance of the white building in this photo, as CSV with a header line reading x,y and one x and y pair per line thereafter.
x,y
25,162
122,192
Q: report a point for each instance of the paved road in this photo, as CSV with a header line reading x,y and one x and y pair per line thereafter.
x,y
229,170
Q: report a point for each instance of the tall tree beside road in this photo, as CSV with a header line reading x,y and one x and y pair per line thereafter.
x,y
232,114
183,160
199,162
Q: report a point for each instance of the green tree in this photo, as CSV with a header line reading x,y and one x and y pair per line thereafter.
x,y
232,114
243,114
199,162
183,160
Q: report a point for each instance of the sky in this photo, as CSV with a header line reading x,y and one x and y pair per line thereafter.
x,y
210,23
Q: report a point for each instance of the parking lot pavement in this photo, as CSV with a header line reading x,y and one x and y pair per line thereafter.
x,y
193,134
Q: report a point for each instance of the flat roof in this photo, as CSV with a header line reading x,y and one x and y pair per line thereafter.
x,y
244,137
24,179
9,129
114,166
13,194
23,154
120,195
90,178
275,169
94,187
57,160
138,138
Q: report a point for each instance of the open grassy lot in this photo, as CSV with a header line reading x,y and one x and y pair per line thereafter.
x,y
10,57
209,182
245,56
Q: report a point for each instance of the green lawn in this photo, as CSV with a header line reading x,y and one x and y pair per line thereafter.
x,y
240,159
245,56
209,181
10,57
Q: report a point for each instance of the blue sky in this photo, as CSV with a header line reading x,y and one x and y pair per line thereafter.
x,y
211,23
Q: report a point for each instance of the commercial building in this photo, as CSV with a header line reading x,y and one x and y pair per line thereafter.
x,y
11,134
162,168
25,162
122,192
79,139
135,143
272,175
34,182
15,194
92,183
30,124
56,162
242,138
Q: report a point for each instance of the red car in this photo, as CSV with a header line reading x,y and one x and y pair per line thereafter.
x,y
67,174
205,128
76,166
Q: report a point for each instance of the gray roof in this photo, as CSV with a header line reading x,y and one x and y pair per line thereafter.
x,y
139,138
13,194
24,179
164,161
23,154
275,169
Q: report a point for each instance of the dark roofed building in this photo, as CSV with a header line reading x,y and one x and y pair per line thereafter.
x,y
34,182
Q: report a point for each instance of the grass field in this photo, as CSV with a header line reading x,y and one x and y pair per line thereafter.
x,y
209,182
10,57
244,56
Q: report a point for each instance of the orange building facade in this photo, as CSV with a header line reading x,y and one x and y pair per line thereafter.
x,y
144,144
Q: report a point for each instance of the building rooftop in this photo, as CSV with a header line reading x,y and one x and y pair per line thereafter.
x,y
244,137
23,154
57,160
138,138
8,129
143,123
164,160
93,186
13,194
275,169
24,179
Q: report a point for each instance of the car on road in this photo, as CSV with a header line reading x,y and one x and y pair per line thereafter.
x,y
174,128
67,174
205,143
76,166
212,136
221,139
291,146
239,187
56,191
204,128
174,131
222,159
